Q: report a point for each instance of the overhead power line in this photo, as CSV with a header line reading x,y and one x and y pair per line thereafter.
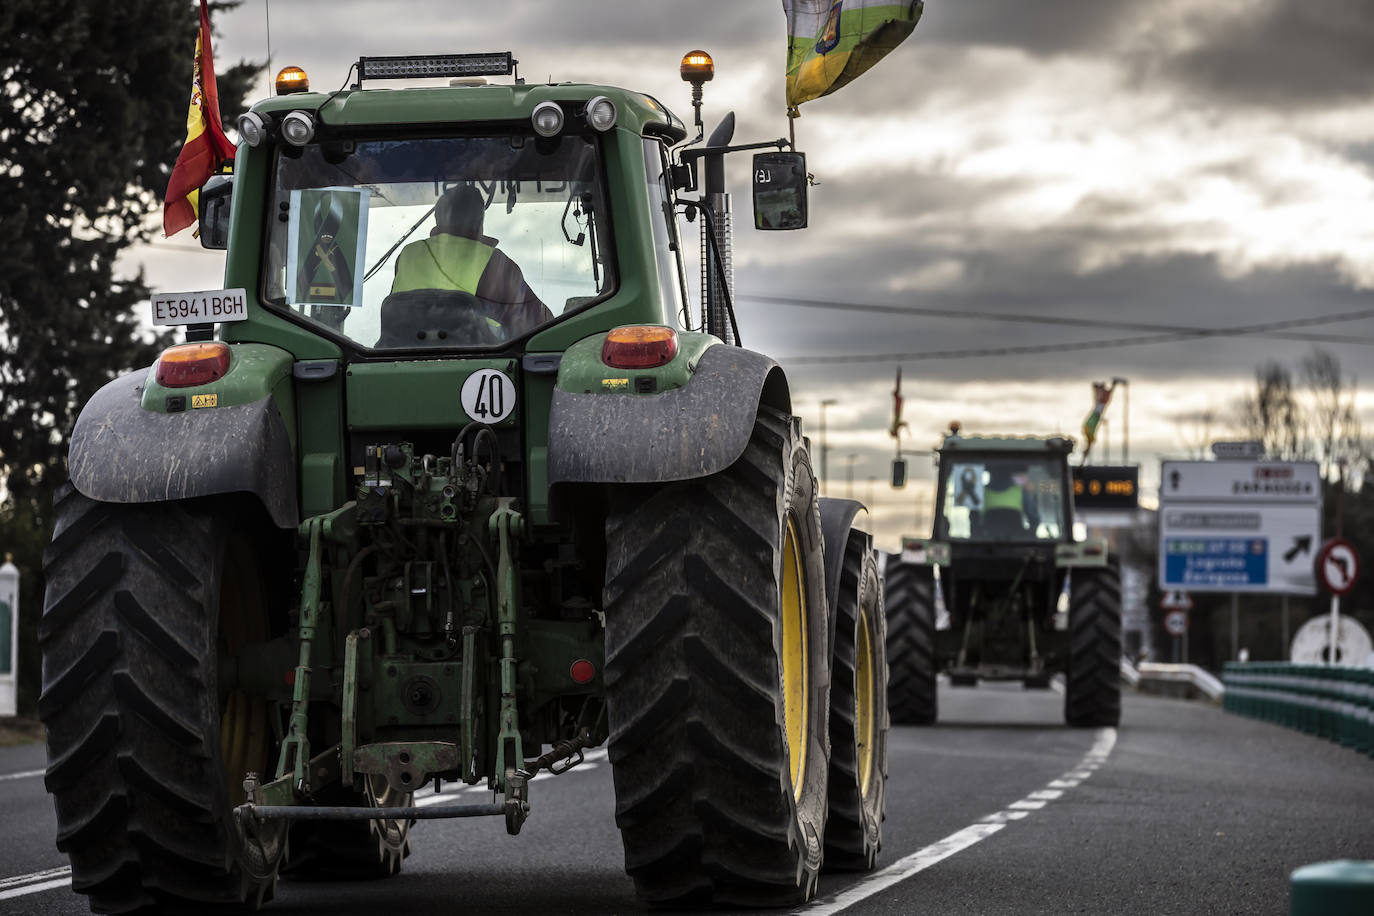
x,y
1170,337
1062,320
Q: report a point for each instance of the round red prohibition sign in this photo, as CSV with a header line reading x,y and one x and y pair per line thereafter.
x,y
1338,566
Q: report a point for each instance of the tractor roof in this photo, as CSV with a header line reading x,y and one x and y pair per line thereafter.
x,y
450,104
1032,444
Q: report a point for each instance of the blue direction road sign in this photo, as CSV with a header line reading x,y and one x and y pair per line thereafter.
x,y
1222,563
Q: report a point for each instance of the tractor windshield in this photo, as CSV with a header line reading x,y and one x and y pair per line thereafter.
x,y
438,242
997,498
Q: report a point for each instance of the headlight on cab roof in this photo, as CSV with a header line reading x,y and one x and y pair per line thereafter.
x,y
600,113
547,119
252,128
297,128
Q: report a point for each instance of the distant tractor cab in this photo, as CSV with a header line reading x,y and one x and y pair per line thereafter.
x,y
1002,591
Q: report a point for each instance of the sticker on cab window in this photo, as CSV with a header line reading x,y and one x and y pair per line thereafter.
x,y
488,396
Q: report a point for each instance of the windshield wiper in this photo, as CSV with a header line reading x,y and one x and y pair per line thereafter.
x,y
399,242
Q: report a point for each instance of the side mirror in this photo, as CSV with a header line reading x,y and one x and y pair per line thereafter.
x,y
214,204
779,190
898,473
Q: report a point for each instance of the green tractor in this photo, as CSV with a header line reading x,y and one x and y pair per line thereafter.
x,y
1003,591
446,487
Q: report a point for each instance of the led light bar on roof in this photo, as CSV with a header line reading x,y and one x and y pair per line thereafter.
x,y
435,66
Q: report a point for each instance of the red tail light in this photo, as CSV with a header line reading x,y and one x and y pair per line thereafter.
x,y
639,346
582,671
187,365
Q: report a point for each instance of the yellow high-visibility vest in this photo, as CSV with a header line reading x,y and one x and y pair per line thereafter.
x,y
442,262
1009,498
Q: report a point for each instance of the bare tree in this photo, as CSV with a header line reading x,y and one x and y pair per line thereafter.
x,y
1332,417
1273,415
1194,429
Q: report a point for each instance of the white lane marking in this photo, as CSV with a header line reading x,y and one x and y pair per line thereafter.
x,y
46,880
49,879
960,840
24,775
426,797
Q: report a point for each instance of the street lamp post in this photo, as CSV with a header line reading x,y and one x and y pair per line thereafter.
x,y
826,402
1125,418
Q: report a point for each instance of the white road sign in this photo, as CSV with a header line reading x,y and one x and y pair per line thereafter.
x,y
1176,623
1239,526
1241,481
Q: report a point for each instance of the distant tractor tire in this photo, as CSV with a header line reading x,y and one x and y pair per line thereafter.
x,y
147,749
717,654
354,850
1092,689
858,715
909,601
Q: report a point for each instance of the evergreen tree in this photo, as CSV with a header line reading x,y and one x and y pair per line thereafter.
x,y
94,114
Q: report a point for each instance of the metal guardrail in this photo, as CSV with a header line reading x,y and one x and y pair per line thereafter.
x,y
1200,679
1328,701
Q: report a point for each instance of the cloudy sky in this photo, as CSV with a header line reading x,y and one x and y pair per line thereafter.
x,y
1015,176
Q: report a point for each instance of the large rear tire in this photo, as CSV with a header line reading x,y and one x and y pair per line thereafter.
x,y
717,685
858,714
909,602
1092,690
147,749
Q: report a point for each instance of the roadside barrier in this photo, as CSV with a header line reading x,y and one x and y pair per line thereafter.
x,y
1331,702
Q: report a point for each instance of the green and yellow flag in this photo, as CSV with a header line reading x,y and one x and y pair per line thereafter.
x,y
831,42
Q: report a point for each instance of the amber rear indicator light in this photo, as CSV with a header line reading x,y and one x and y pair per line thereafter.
x,y
188,365
639,346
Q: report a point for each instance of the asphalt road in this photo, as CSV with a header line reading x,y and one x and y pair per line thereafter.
x,y
997,809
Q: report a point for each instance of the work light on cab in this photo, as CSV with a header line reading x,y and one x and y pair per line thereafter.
x,y
298,127
639,346
252,128
188,365
547,119
600,113
291,80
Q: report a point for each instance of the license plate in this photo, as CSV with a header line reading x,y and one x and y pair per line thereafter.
x,y
204,307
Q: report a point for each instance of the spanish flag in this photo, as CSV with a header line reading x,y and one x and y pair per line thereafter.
x,y
832,42
206,145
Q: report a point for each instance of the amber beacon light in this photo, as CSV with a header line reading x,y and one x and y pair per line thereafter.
x,y
697,67
291,80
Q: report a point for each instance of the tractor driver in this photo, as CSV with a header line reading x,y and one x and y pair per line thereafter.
x,y
1003,491
457,256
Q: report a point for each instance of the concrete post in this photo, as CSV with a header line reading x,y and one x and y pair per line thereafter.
x,y
9,637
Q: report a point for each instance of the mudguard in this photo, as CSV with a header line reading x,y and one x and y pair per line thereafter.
x,y
837,521
122,453
693,431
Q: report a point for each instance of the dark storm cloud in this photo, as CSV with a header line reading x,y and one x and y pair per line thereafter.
x,y
1039,28
1284,53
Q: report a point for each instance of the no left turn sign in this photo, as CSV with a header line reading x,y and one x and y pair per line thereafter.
x,y
1338,566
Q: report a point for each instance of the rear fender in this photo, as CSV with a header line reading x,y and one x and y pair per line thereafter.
x,y
839,534
123,452
695,430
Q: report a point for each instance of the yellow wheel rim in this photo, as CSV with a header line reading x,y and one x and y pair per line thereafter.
x,y
863,701
796,672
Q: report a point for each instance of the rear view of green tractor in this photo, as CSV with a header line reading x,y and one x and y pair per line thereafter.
x,y
1002,591
456,491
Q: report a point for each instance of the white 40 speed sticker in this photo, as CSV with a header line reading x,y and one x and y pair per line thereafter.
x,y
488,396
